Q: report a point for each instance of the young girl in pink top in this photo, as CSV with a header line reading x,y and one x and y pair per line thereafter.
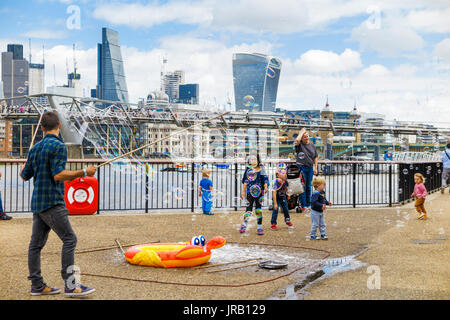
x,y
420,192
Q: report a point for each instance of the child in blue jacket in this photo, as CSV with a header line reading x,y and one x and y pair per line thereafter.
x,y
318,205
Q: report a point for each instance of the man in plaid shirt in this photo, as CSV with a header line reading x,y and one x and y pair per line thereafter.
x,y
47,165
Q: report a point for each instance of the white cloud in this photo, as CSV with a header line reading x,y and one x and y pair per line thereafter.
x,y
45,34
375,70
387,40
138,15
442,49
319,61
433,21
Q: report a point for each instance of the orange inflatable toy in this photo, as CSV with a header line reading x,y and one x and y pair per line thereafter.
x,y
166,255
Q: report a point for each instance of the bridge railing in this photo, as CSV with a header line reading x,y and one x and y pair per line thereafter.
x,y
168,185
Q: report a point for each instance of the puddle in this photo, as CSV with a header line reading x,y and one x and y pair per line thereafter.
x,y
237,252
328,268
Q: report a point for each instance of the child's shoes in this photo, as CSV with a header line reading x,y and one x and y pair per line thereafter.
x,y
243,228
274,227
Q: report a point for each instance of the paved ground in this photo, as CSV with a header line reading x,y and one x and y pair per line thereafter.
x,y
409,270
412,257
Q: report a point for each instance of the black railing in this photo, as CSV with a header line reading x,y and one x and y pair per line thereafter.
x,y
161,185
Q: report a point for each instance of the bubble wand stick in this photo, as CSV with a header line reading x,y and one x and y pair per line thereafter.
x,y
161,139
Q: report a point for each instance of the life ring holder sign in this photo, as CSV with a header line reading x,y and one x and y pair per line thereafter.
x,y
81,195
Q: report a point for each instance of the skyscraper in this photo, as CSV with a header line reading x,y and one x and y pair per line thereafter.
x,y
14,73
171,83
255,78
111,82
188,93
36,78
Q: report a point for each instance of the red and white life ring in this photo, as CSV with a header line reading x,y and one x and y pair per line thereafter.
x,y
81,195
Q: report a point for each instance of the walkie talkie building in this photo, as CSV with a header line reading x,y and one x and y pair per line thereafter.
x,y
255,78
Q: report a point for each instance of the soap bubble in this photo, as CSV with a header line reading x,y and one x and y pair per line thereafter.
x,y
167,197
248,101
179,193
277,184
405,171
255,191
282,168
251,175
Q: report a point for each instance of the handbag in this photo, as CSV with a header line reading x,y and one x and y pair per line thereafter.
x,y
296,186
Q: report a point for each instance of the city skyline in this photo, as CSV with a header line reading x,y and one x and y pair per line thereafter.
x,y
389,58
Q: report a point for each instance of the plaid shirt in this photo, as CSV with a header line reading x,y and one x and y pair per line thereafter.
x,y
46,159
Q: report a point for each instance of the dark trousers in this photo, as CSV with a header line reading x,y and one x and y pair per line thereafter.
x,y
258,212
56,219
282,203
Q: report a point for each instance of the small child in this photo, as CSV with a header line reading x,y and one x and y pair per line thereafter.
x,y
204,191
420,192
318,205
258,180
280,198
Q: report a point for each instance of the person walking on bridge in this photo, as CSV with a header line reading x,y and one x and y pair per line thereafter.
x,y
46,164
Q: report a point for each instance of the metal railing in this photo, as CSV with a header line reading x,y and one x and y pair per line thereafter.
x,y
160,185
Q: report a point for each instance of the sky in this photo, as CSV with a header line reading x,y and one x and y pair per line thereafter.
x,y
387,57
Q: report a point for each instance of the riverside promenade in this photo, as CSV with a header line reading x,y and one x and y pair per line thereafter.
x,y
412,256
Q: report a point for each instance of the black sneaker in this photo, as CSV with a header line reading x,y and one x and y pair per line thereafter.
x,y
4,216
44,290
78,291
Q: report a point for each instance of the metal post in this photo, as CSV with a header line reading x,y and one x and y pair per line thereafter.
x,y
146,187
235,185
390,185
98,195
354,184
193,187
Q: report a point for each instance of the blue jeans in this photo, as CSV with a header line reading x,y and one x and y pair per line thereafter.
x,y
318,221
1,204
308,173
284,206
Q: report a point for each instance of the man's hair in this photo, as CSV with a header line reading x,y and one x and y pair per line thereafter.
x,y
317,181
448,145
50,121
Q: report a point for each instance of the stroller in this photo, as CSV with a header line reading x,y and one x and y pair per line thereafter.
x,y
296,187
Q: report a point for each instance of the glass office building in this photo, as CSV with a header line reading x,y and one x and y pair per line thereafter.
x,y
14,74
255,78
188,93
111,82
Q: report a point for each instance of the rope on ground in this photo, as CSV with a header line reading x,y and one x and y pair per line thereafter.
x,y
327,254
